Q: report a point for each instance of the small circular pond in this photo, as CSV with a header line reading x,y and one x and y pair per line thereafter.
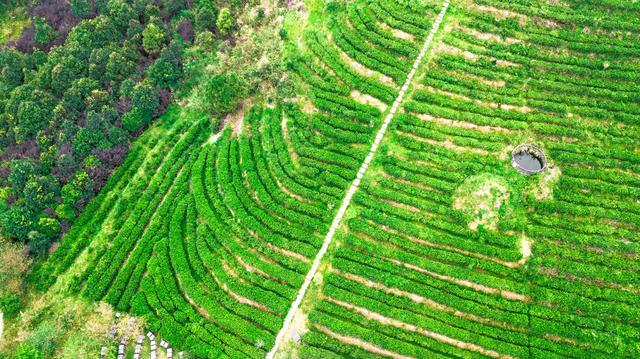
x,y
528,159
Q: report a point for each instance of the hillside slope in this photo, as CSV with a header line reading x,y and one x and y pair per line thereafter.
x,y
445,249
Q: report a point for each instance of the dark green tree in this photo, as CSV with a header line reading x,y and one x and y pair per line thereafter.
x,y
167,70
224,92
121,13
163,73
78,188
174,6
144,103
12,65
120,65
153,38
16,222
145,97
32,116
206,19
80,8
38,242
40,192
64,74
85,141
21,172
44,33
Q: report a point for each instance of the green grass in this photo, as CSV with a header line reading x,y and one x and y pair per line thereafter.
x,y
12,21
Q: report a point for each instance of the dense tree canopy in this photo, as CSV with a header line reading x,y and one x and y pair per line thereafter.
x,y
59,109
77,85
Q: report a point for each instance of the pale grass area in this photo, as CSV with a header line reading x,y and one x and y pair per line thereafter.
x,y
286,190
214,137
231,272
446,144
482,198
251,269
505,63
494,105
479,79
500,13
308,107
543,190
365,71
235,119
448,49
525,245
245,300
12,22
557,3
485,36
92,320
521,18
289,253
505,154
397,32
462,124
368,100
404,206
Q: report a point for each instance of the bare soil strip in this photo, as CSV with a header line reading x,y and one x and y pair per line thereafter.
x,y
284,331
412,328
506,294
416,298
360,343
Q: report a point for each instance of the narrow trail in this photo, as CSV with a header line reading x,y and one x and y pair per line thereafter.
x,y
354,186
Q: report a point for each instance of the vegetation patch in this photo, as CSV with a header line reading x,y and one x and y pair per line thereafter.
x,y
483,199
542,189
13,18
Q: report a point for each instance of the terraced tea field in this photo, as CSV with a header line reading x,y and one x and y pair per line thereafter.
x,y
378,212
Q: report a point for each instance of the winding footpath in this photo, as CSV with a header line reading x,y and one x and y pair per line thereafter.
x,y
354,186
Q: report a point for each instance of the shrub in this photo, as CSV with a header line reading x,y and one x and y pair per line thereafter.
x,y
225,22
27,351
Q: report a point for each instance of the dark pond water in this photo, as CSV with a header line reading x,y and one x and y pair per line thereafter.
x,y
528,161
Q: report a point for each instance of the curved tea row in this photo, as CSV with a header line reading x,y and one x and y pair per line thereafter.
x,y
209,237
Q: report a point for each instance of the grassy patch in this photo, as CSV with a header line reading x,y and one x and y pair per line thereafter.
x,y
12,21
483,199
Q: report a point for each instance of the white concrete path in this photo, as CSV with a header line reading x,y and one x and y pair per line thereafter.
x,y
354,187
